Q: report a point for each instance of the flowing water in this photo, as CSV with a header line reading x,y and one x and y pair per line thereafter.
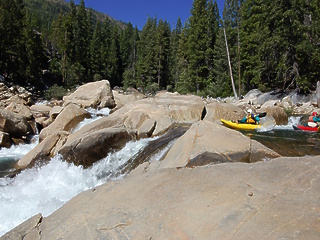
x,y
44,189
288,142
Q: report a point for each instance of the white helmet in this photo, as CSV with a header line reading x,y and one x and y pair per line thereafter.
x,y
249,111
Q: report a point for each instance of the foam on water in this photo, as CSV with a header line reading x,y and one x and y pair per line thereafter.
x,y
267,124
95,115
293,120
18,151
45,189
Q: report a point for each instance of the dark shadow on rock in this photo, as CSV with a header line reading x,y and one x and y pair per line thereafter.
x,y
215,158
204,113
154,147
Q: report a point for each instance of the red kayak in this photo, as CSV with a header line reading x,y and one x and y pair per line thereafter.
x,y
305,128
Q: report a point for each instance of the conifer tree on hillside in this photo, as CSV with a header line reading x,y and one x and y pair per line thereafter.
x,y
12,47
272,45
106,46
306,72
162,48
277,46
36,58
114,59
286,28
212,32
96,53
197,46
196,49
173,60
231,18
126,46
183,83
130,72
147,63
254,34
314,38
82,39
221,86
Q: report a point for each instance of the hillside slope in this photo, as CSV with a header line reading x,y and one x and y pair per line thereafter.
x,y
46,11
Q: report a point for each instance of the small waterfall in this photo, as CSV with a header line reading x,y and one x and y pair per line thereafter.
x,y
292,120
46,188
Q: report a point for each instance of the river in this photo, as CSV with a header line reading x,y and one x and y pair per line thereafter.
x,y
44,189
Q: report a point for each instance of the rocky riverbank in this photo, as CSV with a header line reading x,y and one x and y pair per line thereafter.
x,y
213,183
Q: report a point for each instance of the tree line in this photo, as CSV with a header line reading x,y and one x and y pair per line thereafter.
x,y
269,45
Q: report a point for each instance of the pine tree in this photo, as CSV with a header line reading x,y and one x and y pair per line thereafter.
x,y
162,53
82,40
254,35
276,54
106,46
146,65
12,47
212,32
114,59
284,24
221,86
183,83
313,15
129,75
126,45
96,48
36,58
197,45
173,60
231,18
307,71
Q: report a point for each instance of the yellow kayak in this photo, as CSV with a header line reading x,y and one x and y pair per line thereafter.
x,y
240,126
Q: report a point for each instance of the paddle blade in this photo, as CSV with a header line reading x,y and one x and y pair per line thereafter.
x,y
260,115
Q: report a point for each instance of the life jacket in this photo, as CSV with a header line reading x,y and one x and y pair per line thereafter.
x,y
251,119
310,119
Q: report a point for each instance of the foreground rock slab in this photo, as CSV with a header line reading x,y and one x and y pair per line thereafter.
x,y
278,199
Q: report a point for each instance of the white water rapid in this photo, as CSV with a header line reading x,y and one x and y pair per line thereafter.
x,y
293,120
44,189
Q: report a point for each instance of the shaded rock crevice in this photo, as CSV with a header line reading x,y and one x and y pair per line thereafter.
x,y
204,113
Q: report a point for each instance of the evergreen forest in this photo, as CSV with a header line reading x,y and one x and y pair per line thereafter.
x,y
264,44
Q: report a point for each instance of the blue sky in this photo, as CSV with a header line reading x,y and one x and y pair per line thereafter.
x,y
137,11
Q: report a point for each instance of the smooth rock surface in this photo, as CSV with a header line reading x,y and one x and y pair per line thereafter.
x,y
94,94
68,118
14,124
278,199
209,143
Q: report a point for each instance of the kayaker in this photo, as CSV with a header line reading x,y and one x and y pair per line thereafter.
x,y
250,118
315,118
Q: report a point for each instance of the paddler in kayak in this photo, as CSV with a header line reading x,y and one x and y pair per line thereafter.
x,y
314,120
250,118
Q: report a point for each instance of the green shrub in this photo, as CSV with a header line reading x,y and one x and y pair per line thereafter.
x,y
153,88
55,92
288,111
97,77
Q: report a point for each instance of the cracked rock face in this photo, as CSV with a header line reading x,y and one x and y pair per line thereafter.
x,y
278,199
